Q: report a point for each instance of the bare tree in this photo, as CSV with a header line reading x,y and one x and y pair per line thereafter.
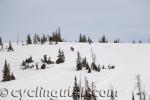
x,y
93,56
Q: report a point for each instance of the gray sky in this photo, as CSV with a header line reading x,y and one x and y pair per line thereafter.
x,y
127,19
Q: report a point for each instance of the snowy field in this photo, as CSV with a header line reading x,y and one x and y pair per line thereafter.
x,y
129,60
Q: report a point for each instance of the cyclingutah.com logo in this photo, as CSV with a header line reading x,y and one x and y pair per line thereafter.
x,y
40,92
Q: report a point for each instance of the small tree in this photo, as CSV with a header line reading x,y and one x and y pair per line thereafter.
x,y
89,70
82,38
29,41
29,60
47,61
7,76
35,39
43,66
117,41
23,63
1,41
103,39
93,65
89,40
12,76
84,62
79,63
76,90
10,48
56,36
61,57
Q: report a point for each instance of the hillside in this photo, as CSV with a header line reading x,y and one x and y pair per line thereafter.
x,y
129,60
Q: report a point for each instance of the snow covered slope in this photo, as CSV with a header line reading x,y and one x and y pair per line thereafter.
x,y
129,59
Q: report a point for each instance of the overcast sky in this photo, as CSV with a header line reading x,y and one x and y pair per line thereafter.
x,y
127,19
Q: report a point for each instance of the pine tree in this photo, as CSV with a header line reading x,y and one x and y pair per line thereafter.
x,y
89,92
50,40
89,40
12,76
1,41
80,38
99,68
6,72
10,48
84,62
29,60
117,40
56,36
47,61
89,70
103,39
29,41
93,65
76,90
79,63
43,66
61,57
35,39
43,39
23,63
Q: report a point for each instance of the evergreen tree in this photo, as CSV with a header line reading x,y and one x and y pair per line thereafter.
x,y
23,63
93,65
43,39
47,61
89,70
29,60
45,58
1,41
117,40
35,39
50,40
79,63
10,48
43,66
89,92
99,68
29,41
6,72
87,66
82,38
89,40
12,76
76,90
84,62
61,57
103,39
56,36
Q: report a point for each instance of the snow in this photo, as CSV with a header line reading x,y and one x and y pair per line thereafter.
x,y
129,59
